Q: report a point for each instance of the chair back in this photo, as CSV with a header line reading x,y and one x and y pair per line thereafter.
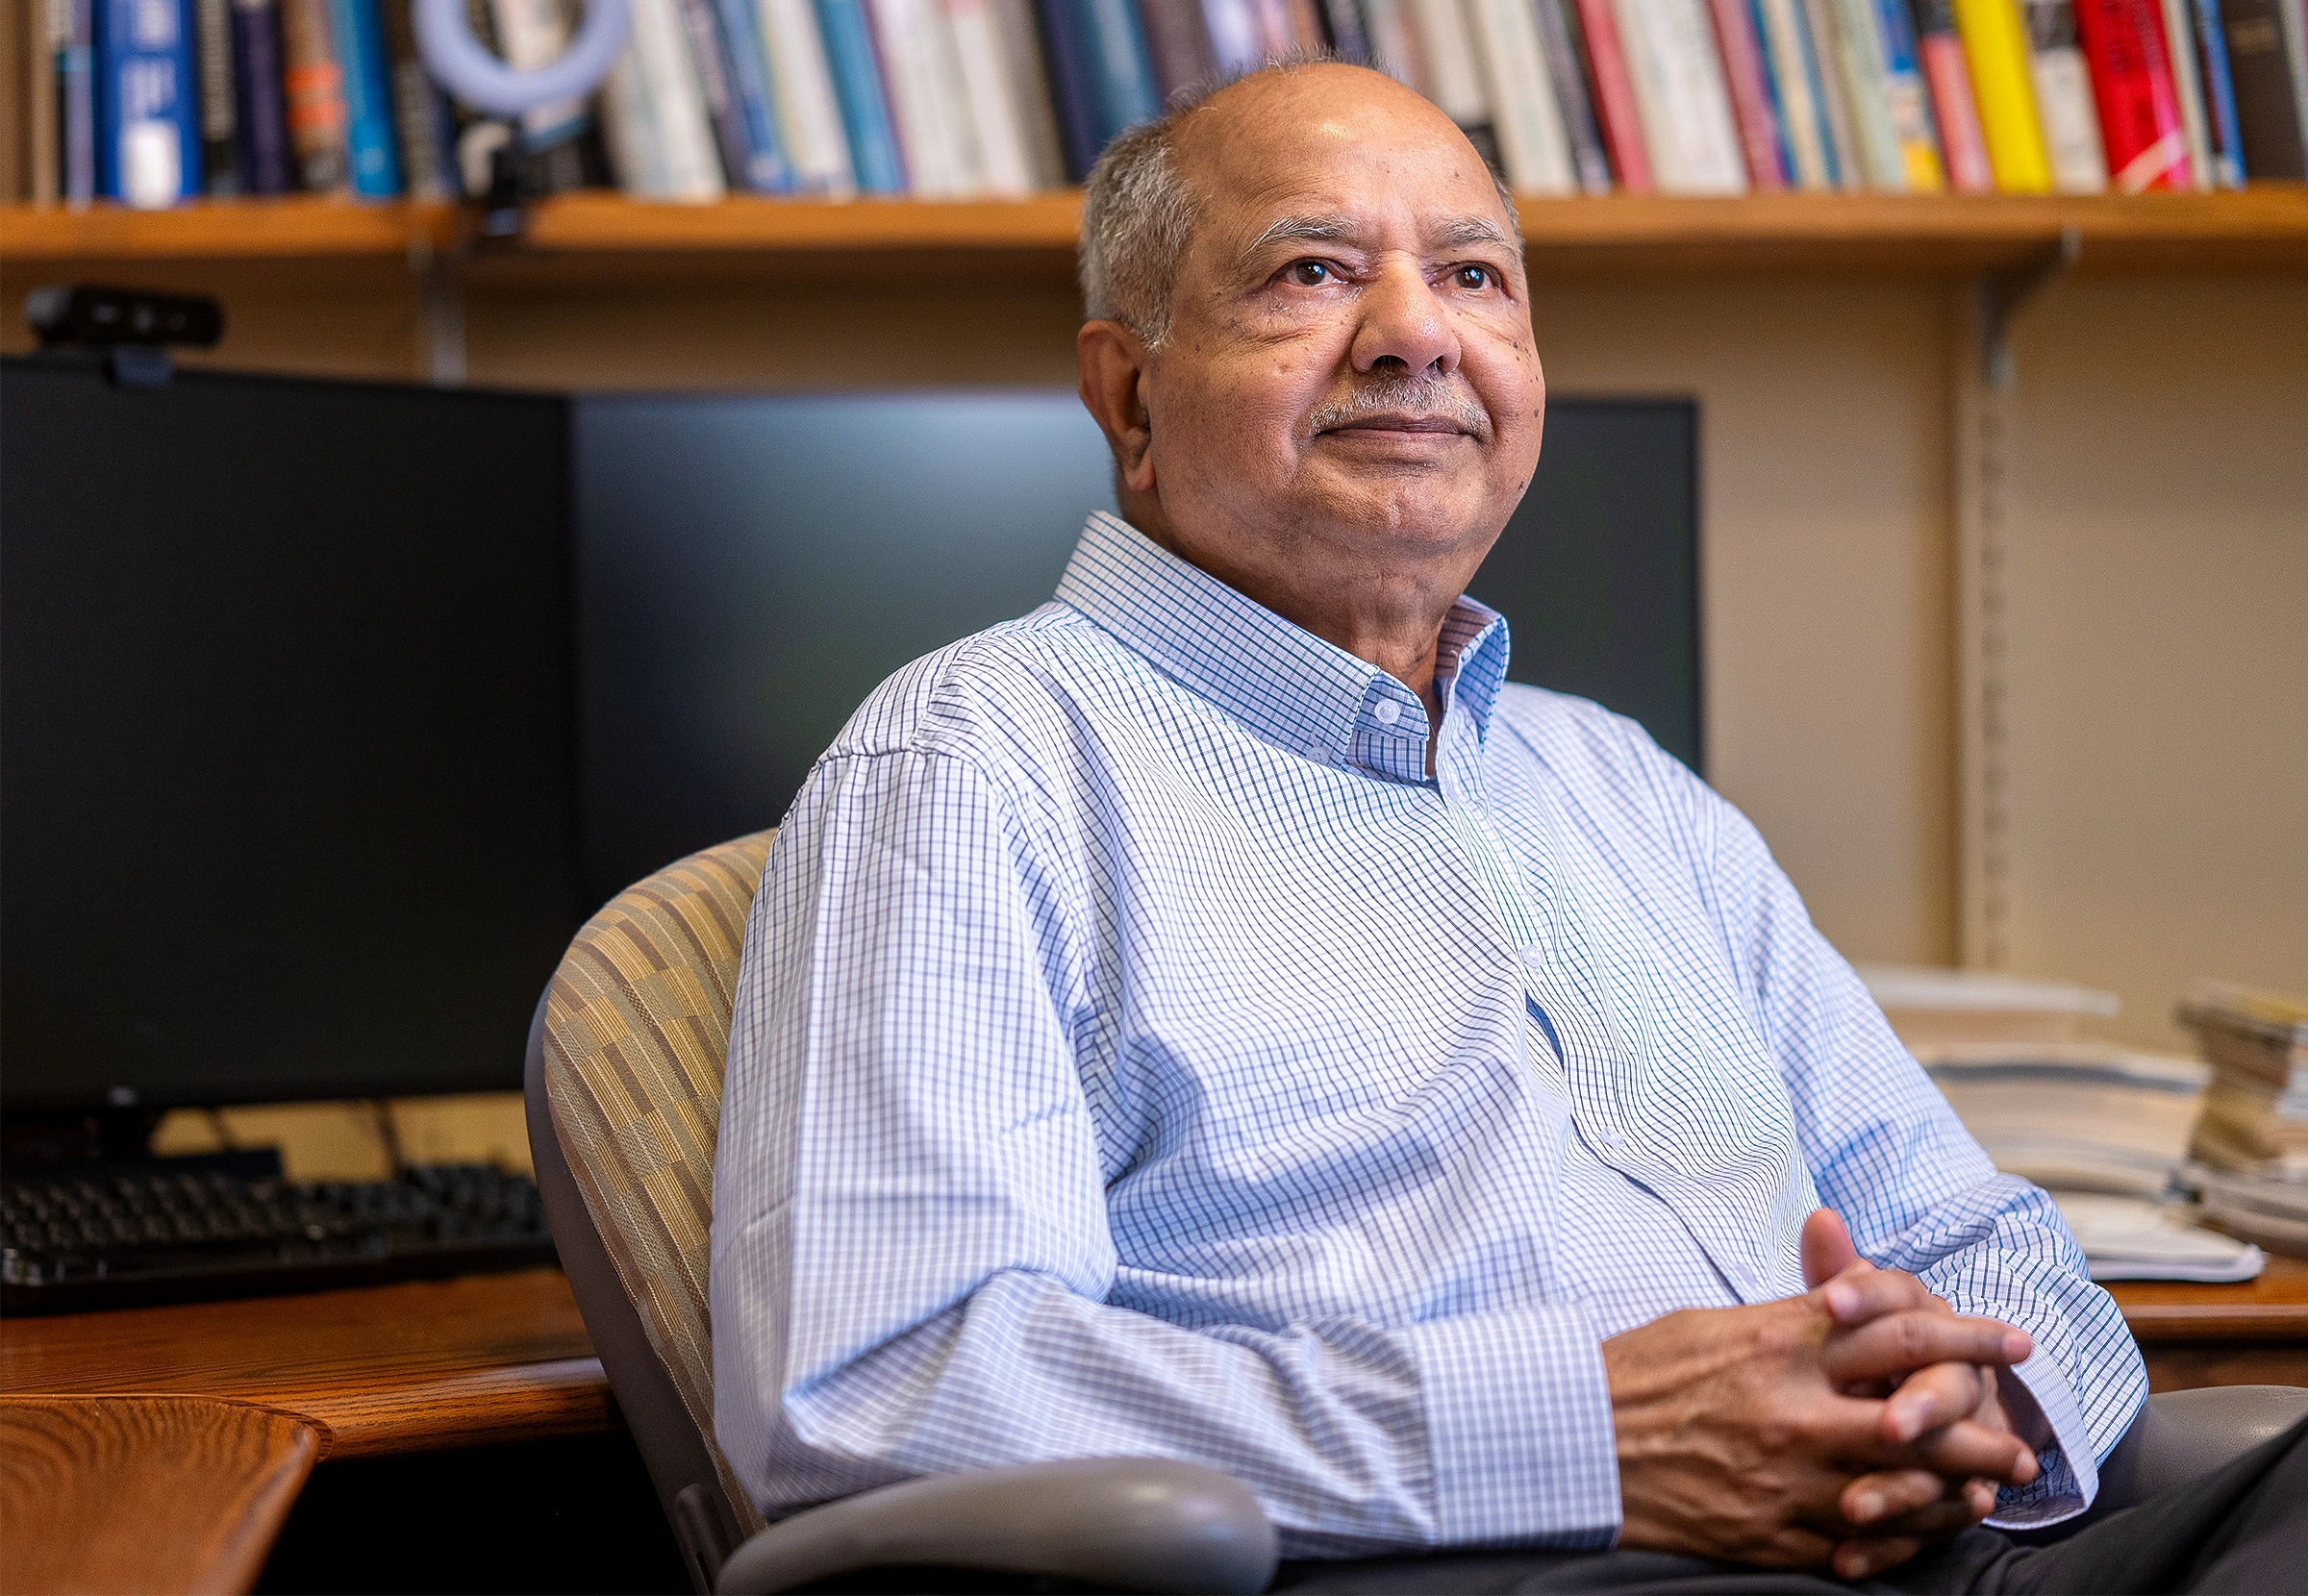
x,y
624,1106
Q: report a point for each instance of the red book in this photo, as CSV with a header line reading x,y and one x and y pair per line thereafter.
x,y
1614,97
1750,93
2139,105
1952,107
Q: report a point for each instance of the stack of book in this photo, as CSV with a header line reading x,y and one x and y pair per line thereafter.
x,y
2250,1144
2075,1116
150,101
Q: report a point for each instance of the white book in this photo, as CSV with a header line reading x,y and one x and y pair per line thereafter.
x,y
1786,42
1524,117
1022,50
2179,44
666,107
808,115
990,98
927,98
2064,108
1395,47
1454,82
629,130
1859,56
1680,97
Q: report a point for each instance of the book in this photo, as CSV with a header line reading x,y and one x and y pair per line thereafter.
x,y
873,153
2219,94
2132,85
708,56
993,103
148,140
762,167
220,149
1454,79
809,113
1343,28
76,103
661,141
1866,81
1786,33
1560,36
2179,39
1835,97
927,100
1533,149
2254,1120
372,162
1679,93
2266,62
2062,86
1030,77
1121,78
1178,43
313,87
20,24
1747,78
1238,37
420,112
1954,109
260,113
51,26
1910,102
1996,49
1395,47
1066,48
2080,1115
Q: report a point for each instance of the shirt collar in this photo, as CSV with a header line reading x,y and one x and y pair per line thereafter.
x,y
1279,680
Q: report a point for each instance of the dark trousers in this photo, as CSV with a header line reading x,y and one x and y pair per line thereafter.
x,y
2243,1529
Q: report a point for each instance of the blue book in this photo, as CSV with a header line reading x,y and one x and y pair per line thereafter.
x,y
1771,90
1065,48
370,144
147,125
1121,72
766,171
858,85
76,103
2219,95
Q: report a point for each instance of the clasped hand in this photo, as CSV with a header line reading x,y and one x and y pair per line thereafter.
x,y
1843,1429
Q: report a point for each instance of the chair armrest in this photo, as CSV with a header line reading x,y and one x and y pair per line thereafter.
x,y
1133,1523
2180,1436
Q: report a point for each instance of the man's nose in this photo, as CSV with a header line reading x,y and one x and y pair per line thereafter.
x,y
1403,319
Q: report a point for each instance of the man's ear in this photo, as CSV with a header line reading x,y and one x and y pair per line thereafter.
x,y
1114,366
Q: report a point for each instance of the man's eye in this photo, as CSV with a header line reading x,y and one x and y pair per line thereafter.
x,y
1475,279
1308,274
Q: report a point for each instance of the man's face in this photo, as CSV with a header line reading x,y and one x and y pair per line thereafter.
x,y
1349,374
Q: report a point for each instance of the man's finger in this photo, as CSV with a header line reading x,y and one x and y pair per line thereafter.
x,y
1863,1293
1931,1397
1966,1448
1888,1494
1898,1344
1826,1248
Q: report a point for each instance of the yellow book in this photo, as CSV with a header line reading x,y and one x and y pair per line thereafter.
x,y
1996,49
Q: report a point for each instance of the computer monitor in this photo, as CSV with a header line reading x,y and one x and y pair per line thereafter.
x,y
287,743
751,567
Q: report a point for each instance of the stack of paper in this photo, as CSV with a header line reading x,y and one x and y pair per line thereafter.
x,y
2272,1213
2255,1112
1930,1005
2124,1238
2075,1115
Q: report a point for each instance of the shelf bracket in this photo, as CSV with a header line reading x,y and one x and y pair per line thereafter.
x,y
2001,298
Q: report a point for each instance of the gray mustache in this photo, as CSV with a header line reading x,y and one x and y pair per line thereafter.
x,y
1430,397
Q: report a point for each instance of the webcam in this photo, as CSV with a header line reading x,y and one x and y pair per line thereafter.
x,y
132,328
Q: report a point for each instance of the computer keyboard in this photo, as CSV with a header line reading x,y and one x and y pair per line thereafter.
x,y
131,1236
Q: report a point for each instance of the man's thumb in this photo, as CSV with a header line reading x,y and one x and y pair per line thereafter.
x,y
1827,1250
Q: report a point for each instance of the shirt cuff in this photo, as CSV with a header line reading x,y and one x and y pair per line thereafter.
x,y
1518,1428
2069,1477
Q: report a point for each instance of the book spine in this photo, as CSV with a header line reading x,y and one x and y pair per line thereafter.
x,y
1795,80
371,161
2190,89
721,111
1030,81
2139,106
1834,95
1996,49
1911,104
687,153
1679,90
1121,77
1531,141
1455,82
990,102
1276,36
148,151
261,114
1065,48
76,94
219,151
809,113
1559,36
1867,89
2269,123
1395,47
419,112
1304,20
1953,105
933,127
314,88
2062,86
1237,38
850,56
1747,80
51,24
766,169
1342,28
1178,39
2219,94
628,127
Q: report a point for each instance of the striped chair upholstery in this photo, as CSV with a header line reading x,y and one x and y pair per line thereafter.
x,y
636,1037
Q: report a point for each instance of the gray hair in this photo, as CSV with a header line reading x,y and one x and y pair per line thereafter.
x,y
1138,212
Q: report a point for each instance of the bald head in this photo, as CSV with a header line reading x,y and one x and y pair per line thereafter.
x,y
1149,191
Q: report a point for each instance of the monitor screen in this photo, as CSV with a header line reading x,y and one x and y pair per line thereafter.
x,y
751,567
287,753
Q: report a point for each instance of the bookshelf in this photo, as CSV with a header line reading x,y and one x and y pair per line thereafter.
x,y
601,235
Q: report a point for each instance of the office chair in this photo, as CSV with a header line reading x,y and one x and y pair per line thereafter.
x,y
624,1103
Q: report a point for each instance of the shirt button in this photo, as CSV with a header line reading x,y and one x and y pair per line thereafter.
x,y
1385,711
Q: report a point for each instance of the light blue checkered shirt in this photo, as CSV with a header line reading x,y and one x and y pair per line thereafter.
x,y
1136,1053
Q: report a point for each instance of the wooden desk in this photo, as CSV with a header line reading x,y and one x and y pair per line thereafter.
x,y
2252,1333
414,1367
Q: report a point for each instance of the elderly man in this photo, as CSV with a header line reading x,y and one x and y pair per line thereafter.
x,y
1216,1016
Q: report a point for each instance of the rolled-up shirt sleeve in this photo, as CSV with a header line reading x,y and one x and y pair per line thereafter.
x,y
911,1259
1888,1153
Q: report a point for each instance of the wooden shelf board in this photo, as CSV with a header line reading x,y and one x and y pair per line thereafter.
x,y
2261,228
